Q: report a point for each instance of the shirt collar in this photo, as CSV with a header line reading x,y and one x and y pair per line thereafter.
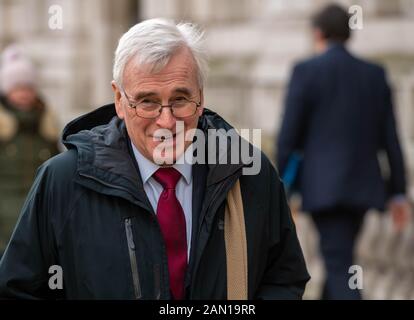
x,y
183,166
147,168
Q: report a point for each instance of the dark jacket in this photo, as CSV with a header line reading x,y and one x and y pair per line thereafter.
x,y
339,115
88,212
27,139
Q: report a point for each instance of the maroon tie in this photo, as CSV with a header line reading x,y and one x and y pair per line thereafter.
x,y
171,218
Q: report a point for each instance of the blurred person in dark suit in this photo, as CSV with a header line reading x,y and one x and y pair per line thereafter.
x,y
339,116
28,135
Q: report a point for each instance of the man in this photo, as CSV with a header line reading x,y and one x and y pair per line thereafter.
x,y
339,116
125,218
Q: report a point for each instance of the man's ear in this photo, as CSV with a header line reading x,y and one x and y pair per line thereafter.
x,y
117,99
319,40
318,34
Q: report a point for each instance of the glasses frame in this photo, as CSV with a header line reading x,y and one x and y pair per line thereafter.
x,y
170,105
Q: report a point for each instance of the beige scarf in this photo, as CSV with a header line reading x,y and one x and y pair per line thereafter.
x,y
236,245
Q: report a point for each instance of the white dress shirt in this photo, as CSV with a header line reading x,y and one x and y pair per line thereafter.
x,y
183,190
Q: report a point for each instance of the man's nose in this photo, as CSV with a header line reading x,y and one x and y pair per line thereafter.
x,y
166,119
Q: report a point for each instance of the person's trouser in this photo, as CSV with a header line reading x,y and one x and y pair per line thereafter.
x,y
338,229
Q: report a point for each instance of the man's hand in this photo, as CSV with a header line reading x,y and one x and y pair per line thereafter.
x,y
400,209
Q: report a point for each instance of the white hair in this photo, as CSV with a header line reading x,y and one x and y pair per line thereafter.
x,y
153,42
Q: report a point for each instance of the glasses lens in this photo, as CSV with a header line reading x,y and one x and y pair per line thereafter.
x,y
182,109
148,110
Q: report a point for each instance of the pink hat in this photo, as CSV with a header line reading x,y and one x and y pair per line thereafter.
x,y
15,69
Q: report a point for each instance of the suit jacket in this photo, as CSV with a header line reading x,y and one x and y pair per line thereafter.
x,y
339,115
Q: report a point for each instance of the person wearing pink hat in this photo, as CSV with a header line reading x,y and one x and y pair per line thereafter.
x,y
28,135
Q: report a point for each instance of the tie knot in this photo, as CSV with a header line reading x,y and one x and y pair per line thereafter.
x,y
167,177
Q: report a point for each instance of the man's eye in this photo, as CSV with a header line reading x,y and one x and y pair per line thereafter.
x,y
180,99
148,103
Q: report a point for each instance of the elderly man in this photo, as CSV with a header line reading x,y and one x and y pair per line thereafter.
x,y
121,216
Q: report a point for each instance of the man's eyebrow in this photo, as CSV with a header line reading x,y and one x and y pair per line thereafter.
x,y
144,94
183,90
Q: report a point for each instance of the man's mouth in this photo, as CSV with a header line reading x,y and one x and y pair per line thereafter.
x,y
163,138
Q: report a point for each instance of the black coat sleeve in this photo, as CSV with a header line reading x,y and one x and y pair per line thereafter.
x,y
286,274
290,136
24,268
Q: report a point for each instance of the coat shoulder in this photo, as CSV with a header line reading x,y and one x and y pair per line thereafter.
x,y
268,166
63,165
55,188
56,175
8,125
267,174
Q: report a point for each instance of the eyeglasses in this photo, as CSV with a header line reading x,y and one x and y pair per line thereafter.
x,y
181,107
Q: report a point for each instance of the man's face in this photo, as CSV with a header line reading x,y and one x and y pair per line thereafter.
x,y
177,80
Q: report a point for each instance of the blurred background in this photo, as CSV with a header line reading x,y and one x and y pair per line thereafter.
x,y
252,45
